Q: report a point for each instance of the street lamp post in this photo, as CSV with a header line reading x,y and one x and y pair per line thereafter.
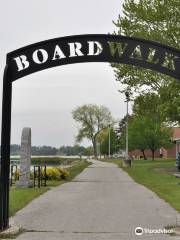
x,y
127,161
109,140
127,100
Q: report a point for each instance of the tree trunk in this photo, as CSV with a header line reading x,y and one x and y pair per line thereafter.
x,y
94,147
143,152
153,154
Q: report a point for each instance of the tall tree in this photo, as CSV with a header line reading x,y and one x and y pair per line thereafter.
x,y
88,151
104,147
92,120
153,20
121,130
136,135
170,102
157,135
147,104
146,132
158,21
100,137
147,129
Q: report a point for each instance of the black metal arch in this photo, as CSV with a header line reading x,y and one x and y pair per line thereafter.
x,y
68,50
94,48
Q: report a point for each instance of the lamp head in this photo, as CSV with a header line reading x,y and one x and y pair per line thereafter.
x,y
127,95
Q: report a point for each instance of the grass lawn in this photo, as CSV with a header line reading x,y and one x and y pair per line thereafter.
x,y
19,198
156,175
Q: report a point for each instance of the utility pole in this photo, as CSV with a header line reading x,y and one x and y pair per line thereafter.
x,y
109,140
127,162
127,112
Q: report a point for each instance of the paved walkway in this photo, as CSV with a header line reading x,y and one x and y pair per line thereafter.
x,y
102,203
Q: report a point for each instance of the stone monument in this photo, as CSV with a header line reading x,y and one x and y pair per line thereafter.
x,y
25,159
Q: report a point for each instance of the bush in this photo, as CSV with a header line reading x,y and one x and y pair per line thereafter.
x,y
64,173
55,173
52,174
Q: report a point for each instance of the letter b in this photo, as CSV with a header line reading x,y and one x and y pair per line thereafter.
x,y
21,62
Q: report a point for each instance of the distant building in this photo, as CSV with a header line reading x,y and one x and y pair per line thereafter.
x,y
138,154
165,153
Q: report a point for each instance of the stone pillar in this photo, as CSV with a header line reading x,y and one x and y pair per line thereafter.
x,y
25,159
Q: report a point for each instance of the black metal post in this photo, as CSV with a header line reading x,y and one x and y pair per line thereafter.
x,y
11,182
34,176
37,174
5,150
43,176
39,177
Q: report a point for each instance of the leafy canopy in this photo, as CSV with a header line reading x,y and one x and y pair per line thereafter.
x,y
92,119
157,20
104,147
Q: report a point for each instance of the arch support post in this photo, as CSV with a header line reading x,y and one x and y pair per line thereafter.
x,y
5,150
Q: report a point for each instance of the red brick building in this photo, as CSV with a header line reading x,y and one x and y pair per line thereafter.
x,y
167,153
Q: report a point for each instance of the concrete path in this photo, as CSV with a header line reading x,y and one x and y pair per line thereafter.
x,y
102,203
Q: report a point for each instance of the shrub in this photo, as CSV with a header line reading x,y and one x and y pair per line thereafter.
x,y
52,174
55,173
63,172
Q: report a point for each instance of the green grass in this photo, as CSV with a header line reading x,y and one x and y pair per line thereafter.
x,y
19,198
163,183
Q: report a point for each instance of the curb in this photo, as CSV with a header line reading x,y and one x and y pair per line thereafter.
x,y
12,230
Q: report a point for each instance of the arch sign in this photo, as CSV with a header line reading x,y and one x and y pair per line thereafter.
x,y
68,50
94,48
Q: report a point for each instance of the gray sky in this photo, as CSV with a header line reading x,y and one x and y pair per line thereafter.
x,y
44,100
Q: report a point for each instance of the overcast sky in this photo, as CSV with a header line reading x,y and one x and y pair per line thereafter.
x,y
44,100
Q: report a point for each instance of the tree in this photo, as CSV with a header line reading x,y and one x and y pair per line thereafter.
x,y
158,21
147,133
121,130
147,128
88,151
147,104
92,120
170,102
71,150
157,135
137,138
104,147
43,150
149,124
152,20
100,137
